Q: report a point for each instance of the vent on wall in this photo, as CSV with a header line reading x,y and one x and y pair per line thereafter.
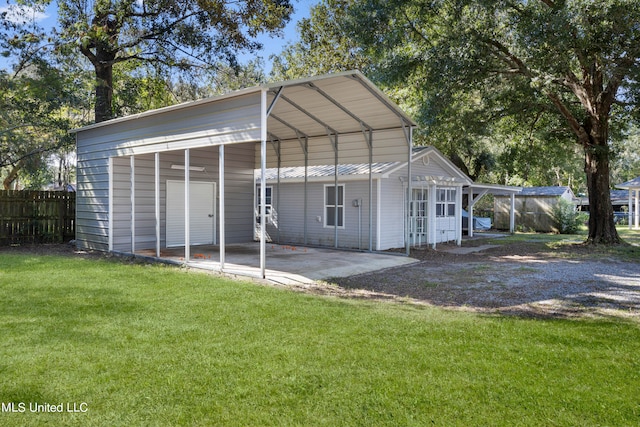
x,y
191,168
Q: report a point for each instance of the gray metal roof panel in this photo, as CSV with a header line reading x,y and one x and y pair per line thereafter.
x,y
544,191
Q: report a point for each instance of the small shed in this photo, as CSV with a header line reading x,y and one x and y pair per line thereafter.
x,y
533,206
633,187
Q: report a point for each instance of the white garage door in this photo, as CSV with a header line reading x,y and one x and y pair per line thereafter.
x,y
202,213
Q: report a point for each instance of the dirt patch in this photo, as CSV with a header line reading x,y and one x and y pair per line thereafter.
x,y
518,278
524,278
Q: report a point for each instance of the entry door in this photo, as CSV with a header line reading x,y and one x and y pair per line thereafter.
x,y
419,215
202,213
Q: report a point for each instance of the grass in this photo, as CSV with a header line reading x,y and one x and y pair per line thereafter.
x,y
155,346
564,245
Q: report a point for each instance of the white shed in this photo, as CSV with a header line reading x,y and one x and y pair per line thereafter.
x,y
184,174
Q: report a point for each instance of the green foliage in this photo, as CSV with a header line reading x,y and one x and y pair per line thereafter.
x,y
567,218
176,35
34,120
146,345
323,47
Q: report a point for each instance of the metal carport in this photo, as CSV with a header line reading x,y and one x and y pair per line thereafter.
x,y
333,119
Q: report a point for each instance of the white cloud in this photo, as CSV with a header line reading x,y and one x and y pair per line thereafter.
x,y
22,14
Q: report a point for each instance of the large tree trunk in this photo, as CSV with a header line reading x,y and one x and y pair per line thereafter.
x,y
104,91
602,228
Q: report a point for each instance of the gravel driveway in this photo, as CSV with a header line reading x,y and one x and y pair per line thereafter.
x,y
522,278
526,279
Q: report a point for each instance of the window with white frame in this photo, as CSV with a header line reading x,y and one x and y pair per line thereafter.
x,y
446,202
331,203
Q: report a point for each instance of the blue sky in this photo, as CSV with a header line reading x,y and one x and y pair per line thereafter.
x,y
272,45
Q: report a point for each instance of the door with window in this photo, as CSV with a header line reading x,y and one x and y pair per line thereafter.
x,y
419,216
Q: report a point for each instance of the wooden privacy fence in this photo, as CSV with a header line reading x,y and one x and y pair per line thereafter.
x,y
37,216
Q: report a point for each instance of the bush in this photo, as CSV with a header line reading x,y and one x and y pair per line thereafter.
x,y
566,216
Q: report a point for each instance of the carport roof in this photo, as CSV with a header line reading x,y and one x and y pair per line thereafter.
x,y
339,103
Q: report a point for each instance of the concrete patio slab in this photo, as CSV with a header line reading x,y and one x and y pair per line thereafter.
x,y
285,264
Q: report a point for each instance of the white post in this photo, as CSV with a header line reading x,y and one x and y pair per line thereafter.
x,y
636,211
431,216
187,219
110,226
459,216
133,203
630,213
222,204
470,213
263,185
512,214
407,233
157,202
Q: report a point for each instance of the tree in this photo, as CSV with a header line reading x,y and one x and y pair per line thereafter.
x,y
323,45
33,119
176,34
575,59
34,100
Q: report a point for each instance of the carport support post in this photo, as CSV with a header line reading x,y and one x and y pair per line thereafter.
x,y
110,204
221,193
187,222
263,185
133,203
512,214
409,195
157,201
335,195
370,144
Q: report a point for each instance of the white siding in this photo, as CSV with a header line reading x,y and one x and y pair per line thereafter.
x,y
290,215
93,197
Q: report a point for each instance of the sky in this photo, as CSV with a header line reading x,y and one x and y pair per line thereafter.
x,y
272,45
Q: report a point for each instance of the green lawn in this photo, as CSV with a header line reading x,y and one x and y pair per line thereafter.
x,y
155,346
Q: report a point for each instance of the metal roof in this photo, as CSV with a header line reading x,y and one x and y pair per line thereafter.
x,y
634,184
345,102
339,103
343,112
552,191
321,171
